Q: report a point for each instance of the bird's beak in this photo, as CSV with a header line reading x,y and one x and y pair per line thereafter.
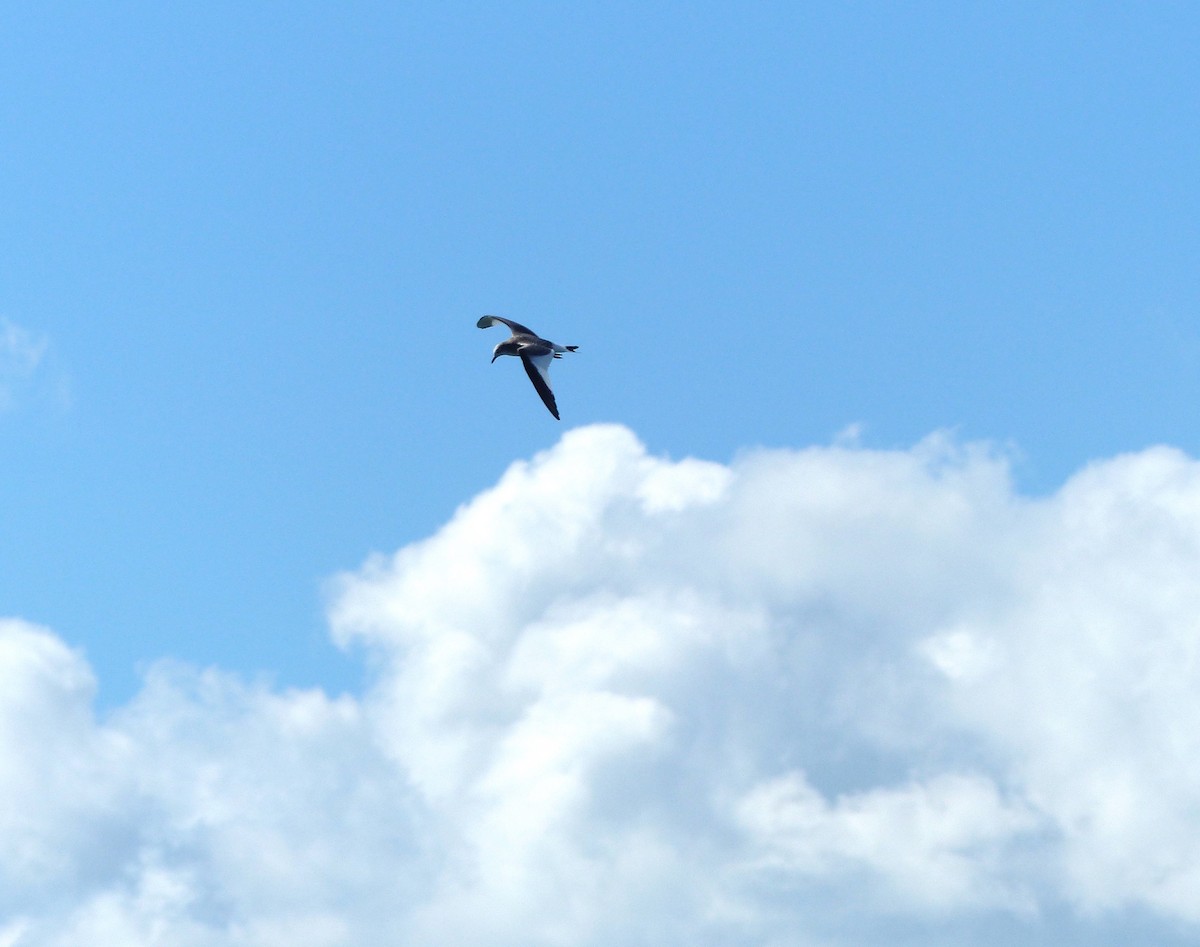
x,y
496,356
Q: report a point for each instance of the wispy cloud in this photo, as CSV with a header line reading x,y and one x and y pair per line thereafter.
x,y
619,699
21,354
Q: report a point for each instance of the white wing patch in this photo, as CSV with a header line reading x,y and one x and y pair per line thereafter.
x,y
537,367
542,364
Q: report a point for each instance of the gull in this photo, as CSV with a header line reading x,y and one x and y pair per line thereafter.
x,y
535,353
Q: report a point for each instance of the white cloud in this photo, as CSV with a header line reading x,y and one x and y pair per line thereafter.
x,y
938,843
21,352
619,699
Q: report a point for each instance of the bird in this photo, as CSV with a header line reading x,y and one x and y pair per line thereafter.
x,y
535,353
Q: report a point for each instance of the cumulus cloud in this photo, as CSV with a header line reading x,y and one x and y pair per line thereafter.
x,y
624,699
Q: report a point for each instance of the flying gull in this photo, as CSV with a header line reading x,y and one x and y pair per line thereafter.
x,y
535,353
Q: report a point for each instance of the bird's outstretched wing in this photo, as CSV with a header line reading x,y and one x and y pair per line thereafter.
x,y
537,367
517,329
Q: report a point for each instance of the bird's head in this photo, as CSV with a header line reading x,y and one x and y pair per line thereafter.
x,y
504,348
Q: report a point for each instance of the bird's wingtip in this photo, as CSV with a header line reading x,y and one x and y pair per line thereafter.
x,y
485,322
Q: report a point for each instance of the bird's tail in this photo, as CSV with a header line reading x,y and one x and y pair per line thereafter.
x,y
571,348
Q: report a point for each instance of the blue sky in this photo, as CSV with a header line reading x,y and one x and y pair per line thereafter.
x,y
244,247
258,240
